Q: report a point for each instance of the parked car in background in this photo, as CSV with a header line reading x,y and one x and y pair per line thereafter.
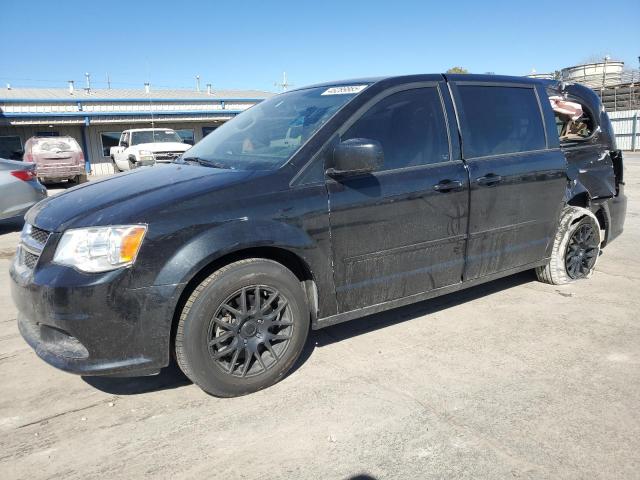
x,y
57,159
19,188
147,146
318,206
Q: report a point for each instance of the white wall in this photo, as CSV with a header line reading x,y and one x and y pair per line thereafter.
x,y
622,122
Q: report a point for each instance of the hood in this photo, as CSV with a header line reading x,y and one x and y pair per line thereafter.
x,y
133,197
163,147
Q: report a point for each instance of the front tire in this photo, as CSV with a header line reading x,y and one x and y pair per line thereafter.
x,y
576,248
116,168
242,328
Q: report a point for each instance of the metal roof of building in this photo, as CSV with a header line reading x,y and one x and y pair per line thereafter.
x,y
59,94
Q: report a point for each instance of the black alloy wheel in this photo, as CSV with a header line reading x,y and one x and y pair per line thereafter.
x,y
582,251
251,331
243,327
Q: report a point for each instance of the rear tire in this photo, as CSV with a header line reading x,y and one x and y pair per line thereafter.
x,y
576,248
81,179
228,343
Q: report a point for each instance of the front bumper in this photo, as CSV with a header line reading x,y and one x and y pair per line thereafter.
x,y
92,324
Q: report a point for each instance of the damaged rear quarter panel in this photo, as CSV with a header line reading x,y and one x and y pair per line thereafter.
x,y
590,170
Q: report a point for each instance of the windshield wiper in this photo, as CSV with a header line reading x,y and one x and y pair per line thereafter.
x,y
206,163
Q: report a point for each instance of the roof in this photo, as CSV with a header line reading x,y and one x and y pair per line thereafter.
x,y
428,77
147,129
114,94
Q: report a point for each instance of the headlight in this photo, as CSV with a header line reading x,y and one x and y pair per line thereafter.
x,y
144,155
99,249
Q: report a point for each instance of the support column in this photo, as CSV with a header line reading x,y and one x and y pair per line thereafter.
x,y
85,145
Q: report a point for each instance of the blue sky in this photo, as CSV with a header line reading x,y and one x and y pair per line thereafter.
x,y
248,44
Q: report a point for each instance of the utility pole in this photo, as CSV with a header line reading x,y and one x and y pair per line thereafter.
x,y
197,83
284,85
604,71
108,81
88,79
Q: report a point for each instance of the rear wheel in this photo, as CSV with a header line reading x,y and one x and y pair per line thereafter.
x,y
575,249
242,328
81,178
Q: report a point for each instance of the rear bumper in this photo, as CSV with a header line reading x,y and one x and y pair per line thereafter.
x,y
93,325
59,172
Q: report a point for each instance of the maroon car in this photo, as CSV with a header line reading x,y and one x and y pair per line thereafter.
x,y
56,159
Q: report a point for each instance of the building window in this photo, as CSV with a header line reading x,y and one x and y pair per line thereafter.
x,y
207,130
48,134
109,139
187,135
11,147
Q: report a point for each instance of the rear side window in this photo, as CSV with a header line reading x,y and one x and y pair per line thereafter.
x,y
498,120
410,125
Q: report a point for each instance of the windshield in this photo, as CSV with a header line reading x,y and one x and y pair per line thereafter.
x,y
155,136
267,135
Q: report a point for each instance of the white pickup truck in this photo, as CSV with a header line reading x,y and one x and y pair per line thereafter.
x,y
146,146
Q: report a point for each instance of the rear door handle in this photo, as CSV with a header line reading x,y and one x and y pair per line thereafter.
x,y
447,186
489,180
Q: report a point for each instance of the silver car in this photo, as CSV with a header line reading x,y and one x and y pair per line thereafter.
x,y
19,188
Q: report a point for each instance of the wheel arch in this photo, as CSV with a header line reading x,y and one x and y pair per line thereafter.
x,y
285,257
598,209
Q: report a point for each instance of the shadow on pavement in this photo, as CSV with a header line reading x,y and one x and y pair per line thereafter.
x,y
377,321
168,378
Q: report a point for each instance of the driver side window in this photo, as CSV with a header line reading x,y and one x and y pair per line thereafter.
x,y
410,126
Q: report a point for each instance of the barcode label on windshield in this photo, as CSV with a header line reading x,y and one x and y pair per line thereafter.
x,y
344,90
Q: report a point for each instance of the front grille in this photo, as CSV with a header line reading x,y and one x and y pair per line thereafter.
x,y
39,235
166,156
32,242
29,259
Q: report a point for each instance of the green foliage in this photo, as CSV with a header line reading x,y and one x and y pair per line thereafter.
x,y
457,70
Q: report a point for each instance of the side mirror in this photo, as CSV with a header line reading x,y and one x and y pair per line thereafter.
x,y
124,144
356,156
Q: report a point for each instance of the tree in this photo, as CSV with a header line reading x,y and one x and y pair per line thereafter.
x,y
457,70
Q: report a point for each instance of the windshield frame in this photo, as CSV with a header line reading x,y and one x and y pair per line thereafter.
x,y
293,156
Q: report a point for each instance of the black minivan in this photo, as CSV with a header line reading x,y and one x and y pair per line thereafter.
x,y
316,206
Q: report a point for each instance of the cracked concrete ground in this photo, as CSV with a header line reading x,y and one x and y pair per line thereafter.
x,y
511,379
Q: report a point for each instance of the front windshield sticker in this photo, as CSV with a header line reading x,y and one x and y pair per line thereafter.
x,y
346,90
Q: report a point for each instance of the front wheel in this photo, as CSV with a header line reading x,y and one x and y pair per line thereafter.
x,y
576,248
242,328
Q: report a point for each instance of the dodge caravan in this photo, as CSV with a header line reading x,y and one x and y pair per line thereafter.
x,y
317,206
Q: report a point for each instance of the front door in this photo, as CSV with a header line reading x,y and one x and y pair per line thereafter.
x,y
401,230
517,183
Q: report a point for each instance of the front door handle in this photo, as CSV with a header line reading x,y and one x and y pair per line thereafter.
x,y
489,180
447,186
